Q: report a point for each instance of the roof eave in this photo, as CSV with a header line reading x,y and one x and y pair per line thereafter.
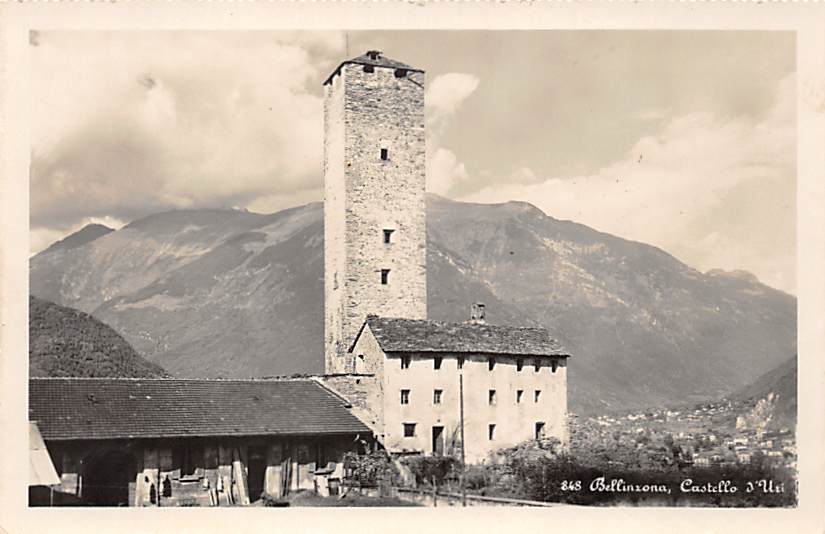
x,y
357,62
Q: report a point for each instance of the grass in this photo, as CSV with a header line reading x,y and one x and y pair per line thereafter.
x,y
309,499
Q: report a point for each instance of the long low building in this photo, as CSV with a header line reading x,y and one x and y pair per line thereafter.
x,y
158,442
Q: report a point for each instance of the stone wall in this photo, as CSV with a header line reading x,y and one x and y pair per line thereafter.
x,y
380,111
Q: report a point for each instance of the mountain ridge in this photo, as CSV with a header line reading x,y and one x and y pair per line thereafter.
x,y
233,293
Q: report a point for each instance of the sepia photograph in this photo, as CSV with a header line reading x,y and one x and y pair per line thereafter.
x,y
412,268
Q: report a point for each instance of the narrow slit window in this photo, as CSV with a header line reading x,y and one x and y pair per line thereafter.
x,y
385,154
539,430
460,362
519,396
437,362
491,431
405,362
388,235
491,363
385,276
537,365
405,396
536,395
491,397
553,366
437,396
519,364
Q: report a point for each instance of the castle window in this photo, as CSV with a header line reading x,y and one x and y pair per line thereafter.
x,y
491,397
409,430
388,235
437,362
537,365
539,430
405,396
369,68
460,362
536,395
519,395
400,73
519,364
553,366
491,363
405,362
437,396
491,431
385,276
385,154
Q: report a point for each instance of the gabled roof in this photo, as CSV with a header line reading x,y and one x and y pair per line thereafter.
x,y
414,335
41,468
375,59
110,408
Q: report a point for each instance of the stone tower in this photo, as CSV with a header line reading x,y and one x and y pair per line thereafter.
x,y
374,206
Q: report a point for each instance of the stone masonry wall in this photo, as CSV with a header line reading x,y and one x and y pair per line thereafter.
x,y
380,111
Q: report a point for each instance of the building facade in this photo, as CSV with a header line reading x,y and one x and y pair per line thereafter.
x,y
374,225
408,377
168,442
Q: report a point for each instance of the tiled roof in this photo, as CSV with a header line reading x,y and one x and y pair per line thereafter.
x,y
376,60
106,408
410,335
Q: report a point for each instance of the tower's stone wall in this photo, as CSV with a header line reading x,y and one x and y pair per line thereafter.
x,y
366,112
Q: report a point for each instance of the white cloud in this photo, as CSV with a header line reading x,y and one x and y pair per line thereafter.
x,y
444,96
714,191
127,124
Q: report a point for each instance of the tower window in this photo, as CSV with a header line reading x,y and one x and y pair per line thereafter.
x,y
536,395
519,395
491,363
437,362
405,362
388,235
519,364
385,154
437,396
409,430
369,68
538,365
405,396
539,430
491,431
553,366
460,362
491,397
385,276
400,73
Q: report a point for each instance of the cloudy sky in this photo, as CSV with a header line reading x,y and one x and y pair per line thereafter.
x,y
684,140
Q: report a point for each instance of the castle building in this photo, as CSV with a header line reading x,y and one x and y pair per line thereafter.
x,y
411,380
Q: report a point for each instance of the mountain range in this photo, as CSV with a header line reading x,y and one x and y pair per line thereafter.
x,y
229,293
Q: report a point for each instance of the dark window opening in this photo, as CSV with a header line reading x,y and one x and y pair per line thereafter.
x,y
385,154
409,430
405,362
491,363
385,276
538,365
405,396
437,362
437,396
553,366
519,364
400,73
519,395
388,235
539,430
491,431
536,395
491,397
369,68
460,361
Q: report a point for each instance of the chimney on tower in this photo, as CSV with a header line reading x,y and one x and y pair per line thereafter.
x,y
477,313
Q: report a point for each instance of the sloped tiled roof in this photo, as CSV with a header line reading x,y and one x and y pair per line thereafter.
x,y
107,408
376,60
411,335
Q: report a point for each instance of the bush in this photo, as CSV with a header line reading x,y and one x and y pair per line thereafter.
x,y
429,468
369,470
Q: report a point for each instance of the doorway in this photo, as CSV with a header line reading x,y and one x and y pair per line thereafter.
x,y
106,479
438,440
257,472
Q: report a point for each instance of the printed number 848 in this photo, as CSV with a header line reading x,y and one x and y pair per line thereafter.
x,y
571,485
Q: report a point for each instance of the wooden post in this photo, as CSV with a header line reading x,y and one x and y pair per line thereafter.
x,y
435,493
461,418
